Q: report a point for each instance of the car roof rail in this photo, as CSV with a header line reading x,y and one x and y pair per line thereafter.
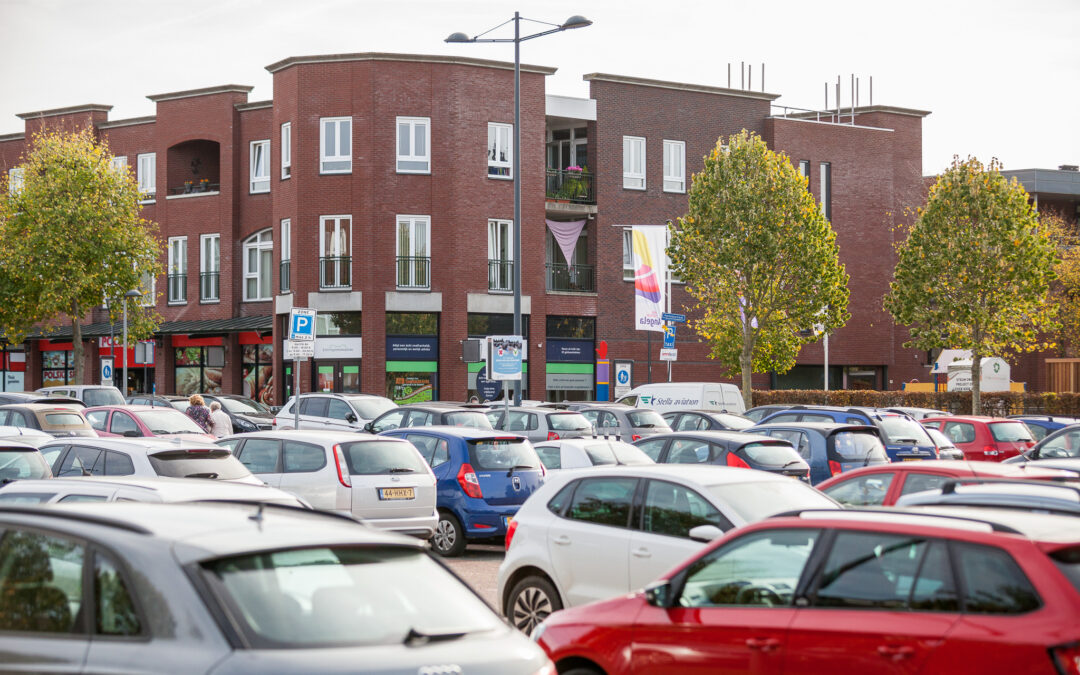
x,y
950,485
893,511
41,510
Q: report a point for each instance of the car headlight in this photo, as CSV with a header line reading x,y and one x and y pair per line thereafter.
x,y
244,424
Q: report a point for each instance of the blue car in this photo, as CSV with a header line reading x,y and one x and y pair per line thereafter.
x,y
904,438
830,448
1041,425
482,478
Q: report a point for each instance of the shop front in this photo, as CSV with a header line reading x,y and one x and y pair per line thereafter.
x,y
570,372
258,367
13,365
198,364
412,357
141,355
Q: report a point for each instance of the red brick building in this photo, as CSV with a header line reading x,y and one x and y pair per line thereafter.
x,y
376,189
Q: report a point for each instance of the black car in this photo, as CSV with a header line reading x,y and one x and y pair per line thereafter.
x,y
246,414
706,420
727,448
429,414
26,397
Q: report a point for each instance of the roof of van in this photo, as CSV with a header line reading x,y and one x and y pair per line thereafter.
x,y
672,385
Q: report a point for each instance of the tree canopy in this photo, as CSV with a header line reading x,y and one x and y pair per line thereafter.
x,y
760,259
975,269
71,239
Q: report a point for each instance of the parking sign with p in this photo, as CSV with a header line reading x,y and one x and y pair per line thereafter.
x,y
302,325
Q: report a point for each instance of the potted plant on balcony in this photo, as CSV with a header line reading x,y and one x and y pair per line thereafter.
x,y
574,184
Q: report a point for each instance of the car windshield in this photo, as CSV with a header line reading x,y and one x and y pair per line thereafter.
x,y
22,465
772,454
471,419
899,429
736,422
754,501
615,452
105,396
244,406
846,446
568,421
216,463
487,454
348,596
647,419
368,458
1010,432
369,408
169,421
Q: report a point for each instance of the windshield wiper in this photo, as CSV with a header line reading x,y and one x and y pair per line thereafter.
x,y
402,469
906,440
415,638
514,468
794,461
208,474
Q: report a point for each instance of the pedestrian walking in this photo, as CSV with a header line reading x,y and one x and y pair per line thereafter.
x,y
220,424
198,411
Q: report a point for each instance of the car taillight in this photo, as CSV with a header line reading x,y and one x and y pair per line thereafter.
x,y
511,528
468,481
273,422
990,450
735,460
342,467
553,436
834,468
1067,658
635,437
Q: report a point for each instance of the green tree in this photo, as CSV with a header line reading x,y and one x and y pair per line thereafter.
x,y
759,258
1065,289
71,239
975,269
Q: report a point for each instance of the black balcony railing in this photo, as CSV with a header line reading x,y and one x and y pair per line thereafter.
x,y
177,288
500,275
413,272
335,272
194,187
571,186
210,286
283,277
571,278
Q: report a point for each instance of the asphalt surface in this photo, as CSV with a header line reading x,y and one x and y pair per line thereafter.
x,y
479,567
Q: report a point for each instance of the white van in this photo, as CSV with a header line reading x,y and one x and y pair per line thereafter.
x,y
665,396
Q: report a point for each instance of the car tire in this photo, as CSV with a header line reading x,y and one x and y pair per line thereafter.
x,y
531,601
582,671
449,537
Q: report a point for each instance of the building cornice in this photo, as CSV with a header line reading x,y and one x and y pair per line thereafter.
x,y
680,86
13,137
206,91
254,105
72,110
130,122
863,110
412,58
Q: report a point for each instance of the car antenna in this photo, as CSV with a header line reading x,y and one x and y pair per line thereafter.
x,y
258,516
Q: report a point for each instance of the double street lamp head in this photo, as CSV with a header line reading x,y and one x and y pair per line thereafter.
x,y
576,21
133,293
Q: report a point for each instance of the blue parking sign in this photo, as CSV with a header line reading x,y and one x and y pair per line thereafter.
x,y
669,336
302,324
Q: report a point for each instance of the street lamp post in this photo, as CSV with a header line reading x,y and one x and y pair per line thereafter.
x,y
130,294
571,23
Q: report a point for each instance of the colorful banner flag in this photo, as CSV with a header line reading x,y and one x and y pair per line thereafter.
x,y
649,260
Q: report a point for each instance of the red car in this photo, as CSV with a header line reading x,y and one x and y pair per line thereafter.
x,y
867,592
984,438
883,484
136,421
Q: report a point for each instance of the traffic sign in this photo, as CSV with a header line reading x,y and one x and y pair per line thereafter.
x,y
677,318
624,377
107,370
669,336
669,354
489,390
301,325
301,349
504,357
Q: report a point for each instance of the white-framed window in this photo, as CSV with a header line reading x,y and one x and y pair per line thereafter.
x,y
674,166
119,164
258,274
177,271
414,252
627,254
414,145
500,255
209,267
500,150
260,166
147,174
285,281
335,251
16,177
633,150
335,145
286,150
826,190
804,168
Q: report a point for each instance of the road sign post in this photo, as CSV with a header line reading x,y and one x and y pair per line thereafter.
x,y
624,377
107,370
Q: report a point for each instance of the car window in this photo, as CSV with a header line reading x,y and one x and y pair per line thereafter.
x,y
752,500
389,421
116,464
902,429
604,501
495,417
560,500
338,409
993,582
217,463
242,406
92,397
83,498
230,444
785,417
314,406
122,423
860,446
646,419
855,420
865,490
568,421
519,421
425,445
1037,431
382,457
472,419
960,432
762,568
16,464
871,570
550,455
115,612
260,455
916,481
16,419
798,439
51,453
65,420
1062,445
592,416
771,454
79,462
97,419
302,457
689,422
812,417
734,422
674,510
493,454
25,497
40,582
688,451
1010,432
419,418
370,407
4,414
652,448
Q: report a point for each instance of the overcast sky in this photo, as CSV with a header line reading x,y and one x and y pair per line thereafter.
x,y
1000,77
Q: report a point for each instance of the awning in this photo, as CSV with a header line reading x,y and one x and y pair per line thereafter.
x,y
234,325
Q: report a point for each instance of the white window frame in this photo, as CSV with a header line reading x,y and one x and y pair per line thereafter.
x,y
628,256
259,167
497,168
286,150
147,175
501,235
825,171
209,265
119,164
325,156
634,171
286,252
675,166
259,242
417,246
177,265
411,124
330,252
16,179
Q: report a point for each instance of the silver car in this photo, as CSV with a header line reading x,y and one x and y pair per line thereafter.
x,y
334,412
143,457
540,424
627,423
577,453
382,480
135,489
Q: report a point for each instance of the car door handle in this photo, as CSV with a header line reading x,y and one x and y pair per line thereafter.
x,y
763,644
896,652
561,540
641,553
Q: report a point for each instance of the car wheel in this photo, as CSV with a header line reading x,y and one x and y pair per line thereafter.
x,y
581,671
449,538
531,601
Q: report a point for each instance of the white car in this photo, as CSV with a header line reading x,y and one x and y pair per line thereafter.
x,y
140,489
334,412
592,534
578,453
384,481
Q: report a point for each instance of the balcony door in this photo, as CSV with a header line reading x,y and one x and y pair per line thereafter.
x,y
413,257
500,255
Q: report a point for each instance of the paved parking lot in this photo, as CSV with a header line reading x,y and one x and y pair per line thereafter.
x,y
479,566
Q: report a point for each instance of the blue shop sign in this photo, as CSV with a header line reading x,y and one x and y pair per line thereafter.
x,y
410,348
571,351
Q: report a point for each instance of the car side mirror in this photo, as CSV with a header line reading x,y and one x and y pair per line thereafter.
x,y
369,427
705,533
660,594
350,418
132,433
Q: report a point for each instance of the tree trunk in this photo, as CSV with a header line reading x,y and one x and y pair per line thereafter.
x,y
76,344
744,364
976,383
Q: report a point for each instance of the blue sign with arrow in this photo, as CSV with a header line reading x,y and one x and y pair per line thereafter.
x,y
677,318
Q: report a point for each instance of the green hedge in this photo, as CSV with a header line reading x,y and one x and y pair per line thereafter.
x,y
956,402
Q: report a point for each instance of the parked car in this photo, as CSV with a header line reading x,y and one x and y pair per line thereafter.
x,y
52,419
576,453
591,534
384,481
984,438
334,412
882,485
21,461
830,448
727,448
144,457
665,396
246,414
160,401
540,424
429,414
706,420
25,397
34,437
90,394
1026,495
1060,444
136,421
1041,425
484,476
918,413
628,424
946,449
236,588
142,489
843,591
760,412
904,438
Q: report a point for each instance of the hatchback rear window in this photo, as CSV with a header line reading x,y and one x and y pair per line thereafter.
x,y
757,500
899,429
736,422
847,446
369,458
568,421
646,419
59,419
93,397
490,454
1010,432
615,452
370,408
218,463
21,465
779,454
472,420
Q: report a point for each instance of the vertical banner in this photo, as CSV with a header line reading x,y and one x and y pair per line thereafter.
x,y
649,260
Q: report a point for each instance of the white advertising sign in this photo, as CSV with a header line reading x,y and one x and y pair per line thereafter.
x,y
649,260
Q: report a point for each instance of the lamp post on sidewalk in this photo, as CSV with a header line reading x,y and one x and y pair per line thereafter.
x,y
571,23
130,294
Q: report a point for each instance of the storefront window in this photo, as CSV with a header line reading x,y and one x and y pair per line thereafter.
x,y
411,323
573,327
482,325
412,353
56,368
259,373
198,370
336,323
13,364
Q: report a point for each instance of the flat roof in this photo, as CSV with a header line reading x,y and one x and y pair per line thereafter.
x,y
415,58
70,110
680,86
1048,182
205,91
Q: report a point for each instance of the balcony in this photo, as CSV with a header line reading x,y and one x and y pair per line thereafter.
x,y
335,273
195,187
284,282
210,286
571,278
413,273
177,289
501,275
572,187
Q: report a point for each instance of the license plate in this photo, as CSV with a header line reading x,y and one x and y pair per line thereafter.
x,y
912,459
397,493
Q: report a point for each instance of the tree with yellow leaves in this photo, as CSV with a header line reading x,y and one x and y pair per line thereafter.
x,y
975,269
759,257
71,239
